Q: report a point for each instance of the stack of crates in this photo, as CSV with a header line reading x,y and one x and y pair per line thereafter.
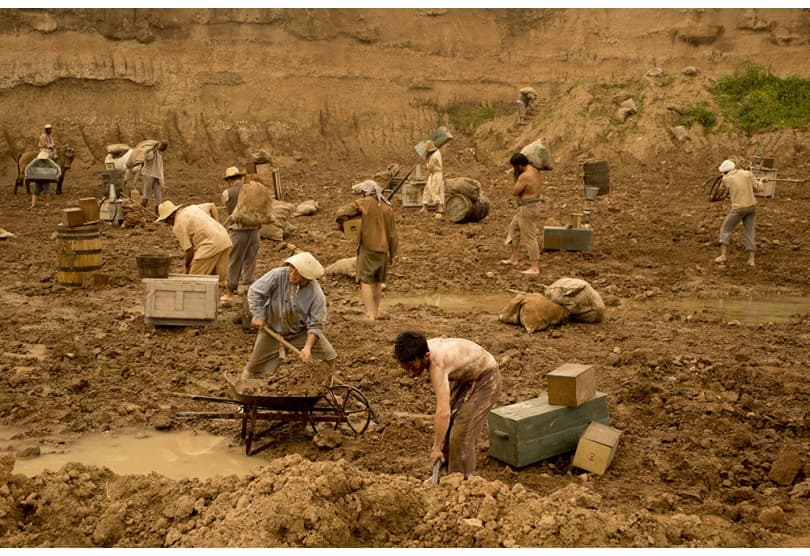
x,y
551,424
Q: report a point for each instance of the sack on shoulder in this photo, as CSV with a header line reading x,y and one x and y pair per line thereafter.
x,y
254,206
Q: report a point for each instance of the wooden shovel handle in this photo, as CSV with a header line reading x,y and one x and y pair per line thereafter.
x,y
281,339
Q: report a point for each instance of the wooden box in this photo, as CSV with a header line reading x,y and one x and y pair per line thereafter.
x,y
352,228
264,169
89,206
72,217
768,189
181,300
596,448
533,430
566,239
571,384
412,194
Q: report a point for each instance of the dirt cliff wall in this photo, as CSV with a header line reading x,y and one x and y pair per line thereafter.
x,y
341,83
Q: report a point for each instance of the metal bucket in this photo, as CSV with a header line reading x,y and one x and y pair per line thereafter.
x,y
153,266
591,193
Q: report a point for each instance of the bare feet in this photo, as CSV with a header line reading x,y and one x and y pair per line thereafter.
x,y
509,261
720,259
530,271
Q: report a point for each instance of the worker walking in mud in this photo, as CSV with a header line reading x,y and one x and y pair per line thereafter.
x,y
742,187
245,239
378,243
205,242
152,172
466,381
433,194
523,227
47,142
288,301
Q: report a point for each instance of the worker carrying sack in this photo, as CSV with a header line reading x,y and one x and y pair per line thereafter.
x,y
254,206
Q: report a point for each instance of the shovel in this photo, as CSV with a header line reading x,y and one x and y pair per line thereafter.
x,y
436,465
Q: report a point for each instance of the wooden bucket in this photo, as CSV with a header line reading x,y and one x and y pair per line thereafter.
x,y
597,174
460,208
79,254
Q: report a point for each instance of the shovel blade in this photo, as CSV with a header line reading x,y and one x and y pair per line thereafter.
x,y
436,465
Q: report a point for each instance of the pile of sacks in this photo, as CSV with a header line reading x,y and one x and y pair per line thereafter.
x,y
564,300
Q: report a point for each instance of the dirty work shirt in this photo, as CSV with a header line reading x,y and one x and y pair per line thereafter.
x,y
153,165
741,186
291,311
245,240
195,228
433,193
378,231
47,142
475,384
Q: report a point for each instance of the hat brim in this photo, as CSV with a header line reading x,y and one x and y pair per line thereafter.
x,y
175,209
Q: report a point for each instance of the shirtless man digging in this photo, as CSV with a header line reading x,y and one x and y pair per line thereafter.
x,y
466,381
526,191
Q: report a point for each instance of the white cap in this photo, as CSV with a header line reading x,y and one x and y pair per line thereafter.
x,y
306,265
727,166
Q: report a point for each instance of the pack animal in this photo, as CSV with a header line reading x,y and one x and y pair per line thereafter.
x,y
25,159
121,162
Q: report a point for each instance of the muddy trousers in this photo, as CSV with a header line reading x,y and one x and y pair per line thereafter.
x,y
216,265
152,187
748,216
470,403
242,260
523,228
265,360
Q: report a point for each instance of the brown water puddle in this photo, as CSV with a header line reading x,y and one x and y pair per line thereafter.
x,y
744,310
453,302
176,455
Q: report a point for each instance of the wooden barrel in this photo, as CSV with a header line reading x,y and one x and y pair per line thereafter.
x,y
460,208
597,175
79,254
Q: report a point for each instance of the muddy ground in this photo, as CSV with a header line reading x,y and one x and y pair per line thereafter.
x,y
714,450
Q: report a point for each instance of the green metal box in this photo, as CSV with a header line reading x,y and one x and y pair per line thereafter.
x,y
566,239
533,430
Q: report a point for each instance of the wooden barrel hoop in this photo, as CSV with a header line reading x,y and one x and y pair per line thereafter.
x,y
79,254
460,208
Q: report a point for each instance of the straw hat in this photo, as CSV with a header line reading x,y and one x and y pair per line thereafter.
x,y
232,172
429,146
166,209
48,126
306,265
727,166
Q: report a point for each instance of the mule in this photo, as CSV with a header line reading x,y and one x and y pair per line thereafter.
x,y
25,159
121,163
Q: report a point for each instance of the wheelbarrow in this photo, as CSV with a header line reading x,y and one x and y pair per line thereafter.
x,y
337,405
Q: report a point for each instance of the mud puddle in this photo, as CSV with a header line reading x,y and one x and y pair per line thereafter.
x,y
455,302
176,455
745,310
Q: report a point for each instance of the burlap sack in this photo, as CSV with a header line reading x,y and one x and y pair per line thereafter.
x,y
538,154
139,152
533,311
254,206
117,149
343,267
468,187
306,208
581,300
279,227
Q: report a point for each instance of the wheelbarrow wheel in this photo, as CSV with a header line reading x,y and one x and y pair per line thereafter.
x,y
352,407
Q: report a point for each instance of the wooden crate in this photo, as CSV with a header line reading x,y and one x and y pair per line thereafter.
x,y
181,300
72,217
571,384
566,239
533,430
596,448
352,228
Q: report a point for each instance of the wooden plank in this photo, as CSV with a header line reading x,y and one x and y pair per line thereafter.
x,y
534,430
